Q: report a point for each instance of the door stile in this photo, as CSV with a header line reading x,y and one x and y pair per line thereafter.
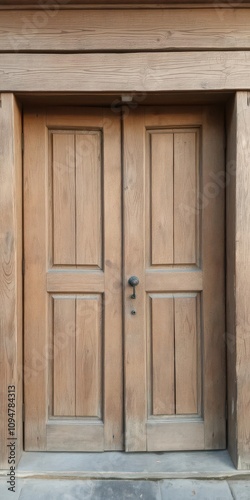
x,y
113,372
35,354
134,264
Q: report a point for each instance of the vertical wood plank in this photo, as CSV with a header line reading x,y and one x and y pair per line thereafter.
x,y
162,198
186,366
113,317
89,356
88,199
185,195
134,253
35,304
64,356
63,165
230,336
163,376
10,269
242,280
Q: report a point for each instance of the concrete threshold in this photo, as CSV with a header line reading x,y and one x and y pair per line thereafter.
x,y
121,465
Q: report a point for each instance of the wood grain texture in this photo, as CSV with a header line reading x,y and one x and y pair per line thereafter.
x,y
64,369
62,436
230,336
35,305
128,3
108,281
134,263
186,355
162,216
66,281
184,435
162,342
113,402
136,370
189,371
168,281
141,72
42,279
242,285
117,29
64,194
185,197
89,199
11,346
113,3
89,357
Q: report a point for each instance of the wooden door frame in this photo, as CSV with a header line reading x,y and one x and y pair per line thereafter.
x,y
238,287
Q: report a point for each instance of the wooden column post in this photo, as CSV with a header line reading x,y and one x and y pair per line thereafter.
x,y
238,279
10,272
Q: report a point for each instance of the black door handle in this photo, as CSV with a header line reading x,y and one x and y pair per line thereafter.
x,y
133,281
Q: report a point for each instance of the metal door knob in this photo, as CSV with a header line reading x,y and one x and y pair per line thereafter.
x,y
133,281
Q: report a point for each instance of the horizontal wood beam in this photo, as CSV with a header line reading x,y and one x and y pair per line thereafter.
x,y
124,30
63,3
140,72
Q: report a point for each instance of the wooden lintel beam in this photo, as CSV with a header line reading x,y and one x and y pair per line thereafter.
x,y
97,3
93,30
141,72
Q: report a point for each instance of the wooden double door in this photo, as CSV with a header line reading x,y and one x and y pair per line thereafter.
x,y
106,199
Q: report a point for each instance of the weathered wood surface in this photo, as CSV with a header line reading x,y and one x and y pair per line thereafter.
x,y
142,72
175,436
230,336
199,346
83,377
10,270
124,30
112,3
134,258
242,282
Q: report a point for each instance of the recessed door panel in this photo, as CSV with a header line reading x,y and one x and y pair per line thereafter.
x,y
174,361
